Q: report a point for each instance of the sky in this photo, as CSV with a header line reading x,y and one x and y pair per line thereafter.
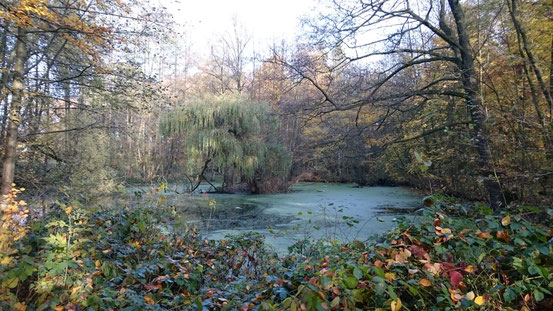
x,y
264,20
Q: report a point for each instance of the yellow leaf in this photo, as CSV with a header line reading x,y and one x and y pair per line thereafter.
x,y
479,300
149,300
6,260
390,276
470,269
58,308
506,220
396,305
425,282
69,210
75,290
524,308
470,295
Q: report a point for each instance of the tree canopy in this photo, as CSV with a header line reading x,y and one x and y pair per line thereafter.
x,y
229,131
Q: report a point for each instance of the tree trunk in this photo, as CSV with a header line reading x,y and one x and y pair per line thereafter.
x,y
228,180
474,104
551,80
3,81
8,164
533,63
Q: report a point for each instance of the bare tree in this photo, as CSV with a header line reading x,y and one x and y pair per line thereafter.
x,y
429,37
228,60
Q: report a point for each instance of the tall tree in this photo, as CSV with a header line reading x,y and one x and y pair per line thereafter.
x,y
229,133
60,49
421,36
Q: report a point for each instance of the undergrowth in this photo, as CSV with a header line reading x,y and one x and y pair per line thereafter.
x,y
83,258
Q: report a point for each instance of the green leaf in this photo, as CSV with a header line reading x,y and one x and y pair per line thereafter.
x,y
538,295
286,303
335,302
350,282
319,306
378,271
533,270
378,279
509,295
380,288
358,273
326,281
481,257
418,157
11,283
392,293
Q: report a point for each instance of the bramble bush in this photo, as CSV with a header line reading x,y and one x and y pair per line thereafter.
x,y
135,259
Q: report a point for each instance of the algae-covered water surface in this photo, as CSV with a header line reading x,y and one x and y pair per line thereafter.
x,y
317,210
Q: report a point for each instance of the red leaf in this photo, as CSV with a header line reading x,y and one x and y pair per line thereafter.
x,y
455,278
419,252
448,266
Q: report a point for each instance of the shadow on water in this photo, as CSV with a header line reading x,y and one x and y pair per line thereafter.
x,y
392,210
243,216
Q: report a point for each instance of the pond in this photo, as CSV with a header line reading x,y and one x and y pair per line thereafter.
x,y
317,210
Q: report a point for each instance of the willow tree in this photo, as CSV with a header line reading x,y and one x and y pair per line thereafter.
x,y
229,133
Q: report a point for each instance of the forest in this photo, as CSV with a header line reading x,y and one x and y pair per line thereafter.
x,y
393,155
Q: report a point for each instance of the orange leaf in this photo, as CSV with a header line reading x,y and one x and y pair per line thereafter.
x,y
149,300
469,269
502,235
455,296
69,210
483,235
425,282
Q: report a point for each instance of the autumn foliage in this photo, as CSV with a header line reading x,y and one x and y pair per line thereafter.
x,y
100,258
12,228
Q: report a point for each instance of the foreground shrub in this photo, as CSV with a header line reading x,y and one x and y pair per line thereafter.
x,y
136,259
438,262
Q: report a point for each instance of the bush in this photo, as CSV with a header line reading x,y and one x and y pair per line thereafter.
x,y
440,263
130,259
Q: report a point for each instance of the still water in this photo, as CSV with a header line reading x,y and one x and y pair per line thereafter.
x,y
317,210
